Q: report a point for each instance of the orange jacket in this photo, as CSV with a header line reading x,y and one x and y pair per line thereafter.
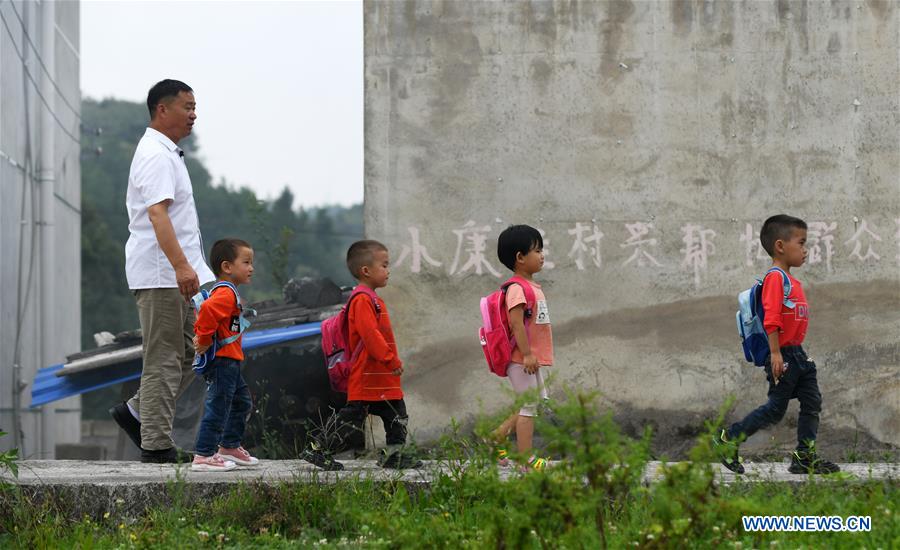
x,y
220,316
371,376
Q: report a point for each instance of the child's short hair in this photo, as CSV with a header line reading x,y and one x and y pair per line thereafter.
x,y
225,250
361,253
515,239
780,226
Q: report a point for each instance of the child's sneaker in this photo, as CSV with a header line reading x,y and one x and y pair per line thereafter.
x,y
317,456
534,464
398,460
537,463
213,463
728,453
808,462
502,458
239,456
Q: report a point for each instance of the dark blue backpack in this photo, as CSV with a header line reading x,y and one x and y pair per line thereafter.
x,y
750,317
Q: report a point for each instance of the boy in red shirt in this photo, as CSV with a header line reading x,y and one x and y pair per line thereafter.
x,y
791,374
374,384
228,398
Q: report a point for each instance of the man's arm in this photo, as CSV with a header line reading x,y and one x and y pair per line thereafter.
x,y
185,276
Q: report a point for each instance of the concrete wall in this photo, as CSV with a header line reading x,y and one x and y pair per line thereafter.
x,y
22,218
648,140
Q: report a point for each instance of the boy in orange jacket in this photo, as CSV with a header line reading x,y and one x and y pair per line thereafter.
x,y
228,400
374,385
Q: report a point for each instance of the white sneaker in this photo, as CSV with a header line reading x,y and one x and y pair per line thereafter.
x,y
213,463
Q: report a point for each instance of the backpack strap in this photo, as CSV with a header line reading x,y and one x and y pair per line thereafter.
x,y
529,302
198,299
526,289
359,290
220,284
786,285
363,289
243,323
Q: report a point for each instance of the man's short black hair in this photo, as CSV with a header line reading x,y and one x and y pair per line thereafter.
x,y
163,90
225,250
360,254
515,239
778,227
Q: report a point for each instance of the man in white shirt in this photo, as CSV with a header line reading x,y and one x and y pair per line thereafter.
x,y
165,267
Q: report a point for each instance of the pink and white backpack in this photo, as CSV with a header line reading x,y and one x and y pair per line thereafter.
x,y
336,341
497,340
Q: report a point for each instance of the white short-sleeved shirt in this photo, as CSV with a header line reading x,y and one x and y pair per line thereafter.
x,y
158,173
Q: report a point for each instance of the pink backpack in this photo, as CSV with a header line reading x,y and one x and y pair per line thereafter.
x,y
336,341
497,340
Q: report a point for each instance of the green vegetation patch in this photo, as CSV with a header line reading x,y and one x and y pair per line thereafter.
x,y
594,498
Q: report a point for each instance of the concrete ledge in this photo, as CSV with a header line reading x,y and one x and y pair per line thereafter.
x,y
81,488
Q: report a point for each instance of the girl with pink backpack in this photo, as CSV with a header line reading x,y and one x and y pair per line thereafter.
x,y
516,336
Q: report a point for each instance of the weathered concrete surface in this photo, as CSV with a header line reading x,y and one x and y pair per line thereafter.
x,y
129,488
22,219
649,140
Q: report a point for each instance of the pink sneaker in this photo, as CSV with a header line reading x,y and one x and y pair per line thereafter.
x,y
239,456
213,463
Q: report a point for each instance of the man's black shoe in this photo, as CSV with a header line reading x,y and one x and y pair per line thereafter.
x,y
728,453
322,459
164,456
127,422
398,460
808,462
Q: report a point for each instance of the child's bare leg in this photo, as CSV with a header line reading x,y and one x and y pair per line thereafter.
x,y
506,428
524,433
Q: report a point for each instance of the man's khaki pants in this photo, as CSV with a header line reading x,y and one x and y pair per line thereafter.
x,y
167,325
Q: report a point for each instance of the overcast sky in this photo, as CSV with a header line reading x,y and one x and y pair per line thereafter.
x,y
279,85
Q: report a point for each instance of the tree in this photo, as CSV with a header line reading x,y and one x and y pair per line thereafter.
x,y
287,242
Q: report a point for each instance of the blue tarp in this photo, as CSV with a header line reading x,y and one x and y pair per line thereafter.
x,y
48,387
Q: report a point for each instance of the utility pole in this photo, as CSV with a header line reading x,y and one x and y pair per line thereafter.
x,y
47,179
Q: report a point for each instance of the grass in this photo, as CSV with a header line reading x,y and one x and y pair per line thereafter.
x,y
594,499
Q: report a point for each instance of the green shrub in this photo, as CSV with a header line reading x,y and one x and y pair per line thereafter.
x,y
594,497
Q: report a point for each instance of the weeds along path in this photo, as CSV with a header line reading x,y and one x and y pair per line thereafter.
x,y
95,487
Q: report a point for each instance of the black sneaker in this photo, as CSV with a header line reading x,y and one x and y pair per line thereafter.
x,y
398,460
322,459
127,422
163,456
728,453
808,462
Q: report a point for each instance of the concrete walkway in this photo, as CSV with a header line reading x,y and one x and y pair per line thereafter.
x,y
130,487
77,472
